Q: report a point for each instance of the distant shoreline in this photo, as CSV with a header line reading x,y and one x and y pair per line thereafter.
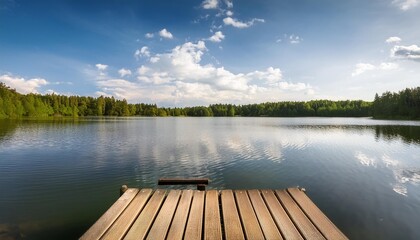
x,y
404,105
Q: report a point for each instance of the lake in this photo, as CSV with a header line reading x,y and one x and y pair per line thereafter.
x,y
58,176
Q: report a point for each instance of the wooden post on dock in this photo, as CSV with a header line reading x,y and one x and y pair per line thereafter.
x,y
123,189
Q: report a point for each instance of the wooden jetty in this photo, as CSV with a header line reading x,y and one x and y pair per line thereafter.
x,y
213,214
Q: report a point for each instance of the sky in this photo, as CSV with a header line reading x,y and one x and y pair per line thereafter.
x,y
194,52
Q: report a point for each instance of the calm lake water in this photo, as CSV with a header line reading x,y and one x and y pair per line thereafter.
x,y
58,177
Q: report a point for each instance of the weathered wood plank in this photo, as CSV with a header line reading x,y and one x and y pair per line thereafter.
x,y
286,226
267,223
231,220
163,220
318,218
304,225
249,220
212,224
195,220
179,222
124,221
109,217
188,214
144,221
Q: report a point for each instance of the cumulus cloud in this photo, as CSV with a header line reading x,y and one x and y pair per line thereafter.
x,y
142,52
154,59
180,75
217,37
393,40
229,13
238,24
101,67
165,34
210,4
406,52
142,70
364,67
23,85
406,4
124,72
149,35
271,76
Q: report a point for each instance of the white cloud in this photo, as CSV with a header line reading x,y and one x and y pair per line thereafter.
x,y
388,66
229,13
142,70
364,67
180,76
393,40
272,76
238,24
101,67
119,88
51,92
406,52
149,35
217,37
124,72
229,3
154,59
210,4
310,92
293,39
142,52
405,4
23,85
156,78
165,34
361,68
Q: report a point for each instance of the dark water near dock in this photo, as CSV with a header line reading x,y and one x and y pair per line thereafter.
x,y
58,177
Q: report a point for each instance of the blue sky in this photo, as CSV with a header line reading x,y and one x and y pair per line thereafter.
x,y
184,53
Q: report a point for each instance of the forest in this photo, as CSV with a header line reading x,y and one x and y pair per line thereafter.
x,y
402,105
15,105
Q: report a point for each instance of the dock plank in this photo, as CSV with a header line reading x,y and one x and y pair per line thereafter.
x,y
322,222
231,220
144,221
267,223
284,223
227,214
163,220
194,227
124,221
249,220
212,226
109,217
304,225
179,222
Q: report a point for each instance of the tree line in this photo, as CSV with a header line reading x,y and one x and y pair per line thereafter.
x,y
402,105
16,105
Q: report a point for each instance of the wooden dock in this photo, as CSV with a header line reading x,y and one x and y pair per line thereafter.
x,y
212,214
